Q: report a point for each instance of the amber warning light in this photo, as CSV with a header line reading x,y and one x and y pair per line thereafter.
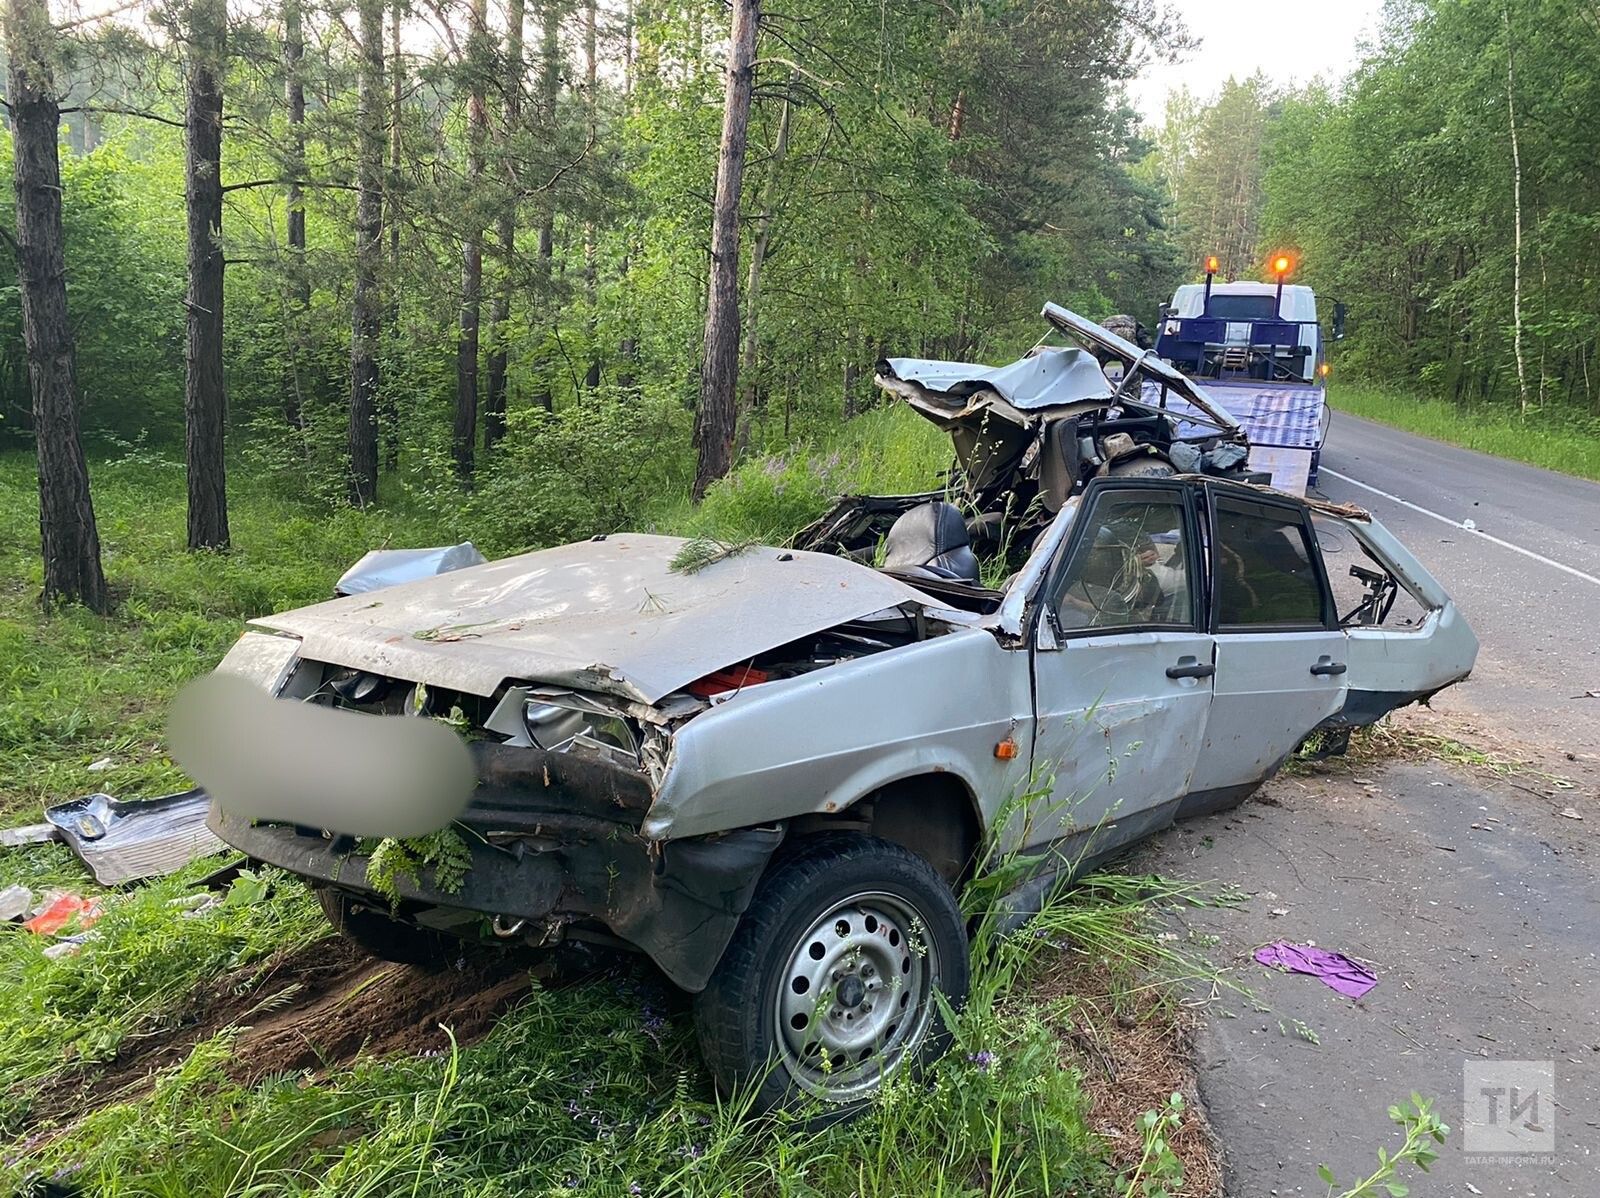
x,y
1212,265
1280,264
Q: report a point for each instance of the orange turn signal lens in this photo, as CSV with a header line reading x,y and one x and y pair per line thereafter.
x,y
1006,749
1323,370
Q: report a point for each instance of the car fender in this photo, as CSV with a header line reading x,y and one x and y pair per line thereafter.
x,y
820,742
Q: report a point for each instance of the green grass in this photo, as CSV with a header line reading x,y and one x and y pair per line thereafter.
x,y
1556,438
598,1090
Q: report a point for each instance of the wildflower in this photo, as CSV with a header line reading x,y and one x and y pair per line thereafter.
x,y
983,1060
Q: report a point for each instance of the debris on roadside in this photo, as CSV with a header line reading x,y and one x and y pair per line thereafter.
x,y
1569,813
386,567
62,910
126,841
1335,970
15,838
15,902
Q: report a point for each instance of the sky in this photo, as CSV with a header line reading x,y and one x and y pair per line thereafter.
x,y
1290,41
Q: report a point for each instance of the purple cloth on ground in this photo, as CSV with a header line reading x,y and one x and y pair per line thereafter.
x,y
1335,969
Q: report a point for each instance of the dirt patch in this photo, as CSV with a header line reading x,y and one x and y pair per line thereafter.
x,y
1133,1049
316,1008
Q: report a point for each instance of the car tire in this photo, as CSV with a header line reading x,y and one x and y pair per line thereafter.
x,y
827,986
385,938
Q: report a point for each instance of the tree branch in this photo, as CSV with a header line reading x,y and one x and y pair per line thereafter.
x,y
285,183
113,110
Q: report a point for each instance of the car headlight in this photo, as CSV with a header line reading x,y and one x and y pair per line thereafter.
x,y
557,727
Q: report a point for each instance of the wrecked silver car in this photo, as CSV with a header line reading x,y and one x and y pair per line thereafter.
x,y
773,773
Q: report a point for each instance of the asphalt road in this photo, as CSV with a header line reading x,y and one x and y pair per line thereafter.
x,y
1472,897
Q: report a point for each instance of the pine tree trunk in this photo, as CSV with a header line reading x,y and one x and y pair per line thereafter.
x,y
465,435
389,425
205,402
68,537
719,368
758,259
549,91
365,312
294,103
494,404
591,275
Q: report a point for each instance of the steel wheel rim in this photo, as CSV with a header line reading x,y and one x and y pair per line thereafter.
x,y
855,998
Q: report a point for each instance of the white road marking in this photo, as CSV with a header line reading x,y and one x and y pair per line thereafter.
x,y
1538,557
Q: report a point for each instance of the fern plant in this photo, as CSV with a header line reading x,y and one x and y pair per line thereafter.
x,y
445,852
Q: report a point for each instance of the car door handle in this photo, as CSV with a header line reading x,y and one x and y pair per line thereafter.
x,y
1326,665
1188,667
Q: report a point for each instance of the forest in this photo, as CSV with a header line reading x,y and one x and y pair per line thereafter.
x,y
557,261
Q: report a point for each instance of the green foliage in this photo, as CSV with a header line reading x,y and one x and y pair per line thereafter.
x,y
1159,1172
1423,1129
1399,190
699,552
585,469
445,853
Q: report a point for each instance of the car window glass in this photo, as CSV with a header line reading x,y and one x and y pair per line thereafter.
x,y
1130,566
1264,573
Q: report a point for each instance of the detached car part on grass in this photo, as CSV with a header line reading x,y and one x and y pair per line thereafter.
x,y
774,775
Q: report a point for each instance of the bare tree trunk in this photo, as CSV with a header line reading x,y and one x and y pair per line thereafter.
x,y
1516,202
465,436
494,413
628,344
719,367
205,402
549,91
390,422
590,272
752,287
365,315
68,537
294,102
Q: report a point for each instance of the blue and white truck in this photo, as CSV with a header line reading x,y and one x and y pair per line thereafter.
x,y
1260,353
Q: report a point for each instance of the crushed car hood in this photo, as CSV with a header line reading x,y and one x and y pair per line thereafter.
x,y
607,615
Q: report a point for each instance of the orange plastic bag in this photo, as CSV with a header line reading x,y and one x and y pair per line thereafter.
x,y
62,912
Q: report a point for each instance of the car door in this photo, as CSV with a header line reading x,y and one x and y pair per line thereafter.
x,y
1280,656
1122,670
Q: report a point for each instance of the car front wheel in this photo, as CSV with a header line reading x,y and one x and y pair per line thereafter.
x,y
826,989
385,938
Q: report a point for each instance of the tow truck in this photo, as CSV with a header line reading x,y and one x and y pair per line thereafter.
x,y
1258,350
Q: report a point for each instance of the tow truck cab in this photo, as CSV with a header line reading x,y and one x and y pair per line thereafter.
x,y
1260,352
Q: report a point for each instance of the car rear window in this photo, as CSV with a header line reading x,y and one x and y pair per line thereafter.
x,y
1265,576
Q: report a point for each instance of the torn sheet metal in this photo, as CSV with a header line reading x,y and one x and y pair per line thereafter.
x,y
389,567
125,841
1048,379
11,838
607,615
15,902
1144,362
